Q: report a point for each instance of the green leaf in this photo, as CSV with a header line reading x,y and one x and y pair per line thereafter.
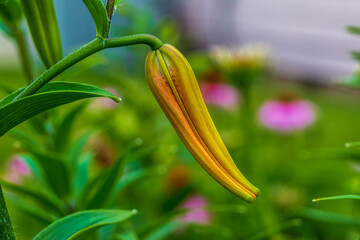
x,y
41,18
152,226
81,223
104,189
81,176
164,231
126,236
105,185
6,229
9,98
10,12
99,16
117,3
215,230
44,199
269,232
35,213
3,1
135,175
62,136
355,55
348,196
329,217
51,28
25,139
77,147
353,29
50,96
55,172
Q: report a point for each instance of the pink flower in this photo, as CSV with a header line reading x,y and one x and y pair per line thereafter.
x,y
220,94
17,169
287,116
196,210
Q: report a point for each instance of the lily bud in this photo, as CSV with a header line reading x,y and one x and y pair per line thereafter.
x,y
175,87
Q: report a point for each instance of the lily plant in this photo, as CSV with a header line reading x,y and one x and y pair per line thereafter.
x,y
170,78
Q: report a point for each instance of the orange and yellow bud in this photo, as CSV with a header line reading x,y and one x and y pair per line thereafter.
x,y
175,87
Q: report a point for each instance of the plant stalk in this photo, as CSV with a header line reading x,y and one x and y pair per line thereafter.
x,y
90,48
6,230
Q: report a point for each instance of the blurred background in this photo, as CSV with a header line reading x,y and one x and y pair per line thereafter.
x,y
281,86
307,39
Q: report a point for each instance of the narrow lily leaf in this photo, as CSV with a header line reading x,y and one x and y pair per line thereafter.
x,y
35,213
9,98
81,176
164,231
51,28
77,147
55,172
52,95
6,229
353,29
348,196
63,132
152,226
99,16
106,186
355,55
139,174
81,223
10,12
218,231
133,176
35,22
117,3
25,139
34,168
127,236
3,1
41,18
267,233
329,217
46,200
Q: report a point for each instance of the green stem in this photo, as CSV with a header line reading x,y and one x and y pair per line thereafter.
x,y
24,54
92,47
6,230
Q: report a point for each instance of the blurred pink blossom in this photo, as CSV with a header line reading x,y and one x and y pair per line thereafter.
x,y
287,116
106,103
220,95
196,210
17,169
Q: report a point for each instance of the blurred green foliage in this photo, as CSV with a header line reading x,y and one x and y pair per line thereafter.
x,y
95,154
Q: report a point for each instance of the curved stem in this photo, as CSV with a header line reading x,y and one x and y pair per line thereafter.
x,y
90,48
